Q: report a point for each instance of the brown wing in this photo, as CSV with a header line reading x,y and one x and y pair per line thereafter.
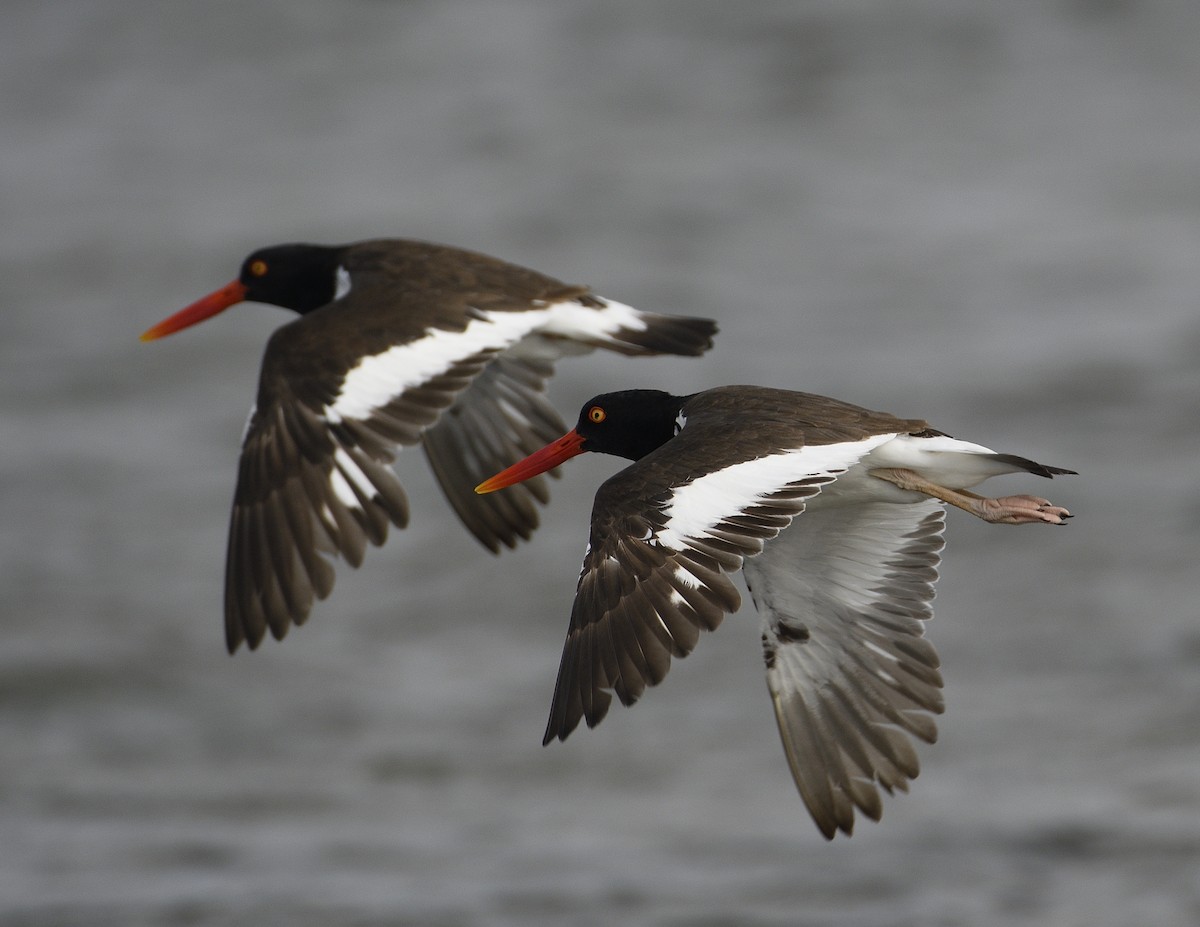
x,y
315,481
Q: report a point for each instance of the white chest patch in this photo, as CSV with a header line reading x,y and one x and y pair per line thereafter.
x,y
341,282
680,421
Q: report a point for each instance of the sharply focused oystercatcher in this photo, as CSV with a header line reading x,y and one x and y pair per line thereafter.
x,y
398,342
843,592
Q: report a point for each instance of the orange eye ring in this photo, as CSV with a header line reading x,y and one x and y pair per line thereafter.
x,y
596,415
258,268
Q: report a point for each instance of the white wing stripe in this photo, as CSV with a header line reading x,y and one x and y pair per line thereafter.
x,y
685,576
377,379
344,473
697,507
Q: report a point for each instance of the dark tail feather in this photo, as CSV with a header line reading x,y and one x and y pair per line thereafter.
x,y
667,334
1034,467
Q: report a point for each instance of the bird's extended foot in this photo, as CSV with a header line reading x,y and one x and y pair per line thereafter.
x,y
1007,510
1017,510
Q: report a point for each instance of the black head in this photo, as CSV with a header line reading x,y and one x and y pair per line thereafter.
x,y
630,423
297,277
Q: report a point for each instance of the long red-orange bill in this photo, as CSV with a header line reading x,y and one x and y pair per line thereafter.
x,y
554,453
198,311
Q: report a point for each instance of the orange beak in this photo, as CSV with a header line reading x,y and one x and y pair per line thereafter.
x,y
198,311
556,452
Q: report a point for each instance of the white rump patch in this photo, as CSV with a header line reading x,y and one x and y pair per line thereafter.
x,y
945,460
575,320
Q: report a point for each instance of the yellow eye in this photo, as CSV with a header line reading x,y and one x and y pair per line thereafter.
x,y
258,268
596,415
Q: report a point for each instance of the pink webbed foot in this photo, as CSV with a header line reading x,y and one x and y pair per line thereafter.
x,y
1007,510
1019,510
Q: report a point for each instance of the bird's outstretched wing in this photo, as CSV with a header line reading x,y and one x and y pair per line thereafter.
x,y
666,532
844,595
504,415
314,479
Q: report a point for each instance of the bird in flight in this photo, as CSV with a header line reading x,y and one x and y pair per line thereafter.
x,y
833,513
397,343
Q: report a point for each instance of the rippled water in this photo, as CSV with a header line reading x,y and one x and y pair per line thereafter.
x,y
984,214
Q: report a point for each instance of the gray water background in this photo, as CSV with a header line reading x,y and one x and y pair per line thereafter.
x,y
986,214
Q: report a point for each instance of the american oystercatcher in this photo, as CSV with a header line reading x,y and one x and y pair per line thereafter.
x,y
398,342
717,479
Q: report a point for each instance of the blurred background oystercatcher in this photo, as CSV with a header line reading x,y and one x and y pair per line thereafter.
x,y
399,342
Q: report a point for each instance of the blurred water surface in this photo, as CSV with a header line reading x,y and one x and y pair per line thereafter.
x,y
984,214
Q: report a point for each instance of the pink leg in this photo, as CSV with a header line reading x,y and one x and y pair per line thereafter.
x,y
1007,510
